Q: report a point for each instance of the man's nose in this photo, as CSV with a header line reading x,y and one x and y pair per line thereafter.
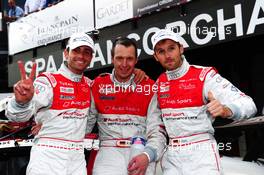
x,y
81,55
124,62
167,54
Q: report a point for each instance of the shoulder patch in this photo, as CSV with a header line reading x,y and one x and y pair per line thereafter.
x,y
198,66
51,78
204,72
88,81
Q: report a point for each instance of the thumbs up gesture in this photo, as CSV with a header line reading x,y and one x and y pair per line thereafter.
x,y
24,89
215,108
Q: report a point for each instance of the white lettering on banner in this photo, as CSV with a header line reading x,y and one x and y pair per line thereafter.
x,y
99,58
109,46
181,27
146,47
51,66
254,18
194,33
222,29
41,65
237,20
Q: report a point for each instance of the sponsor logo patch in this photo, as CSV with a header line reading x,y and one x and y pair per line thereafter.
x,y
187,86
67,90
107,98
164,95
67,97
39,88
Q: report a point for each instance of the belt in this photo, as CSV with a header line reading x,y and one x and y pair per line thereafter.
x,y
189,140
59,144
119,143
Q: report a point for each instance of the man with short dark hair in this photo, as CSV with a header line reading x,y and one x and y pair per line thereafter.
x,y
60,102
122,107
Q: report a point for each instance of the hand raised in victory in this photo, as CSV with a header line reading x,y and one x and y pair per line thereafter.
x,y
24,89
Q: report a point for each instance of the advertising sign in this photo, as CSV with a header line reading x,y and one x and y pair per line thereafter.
x,y
202,26
110,12
50,25
224,21
147,6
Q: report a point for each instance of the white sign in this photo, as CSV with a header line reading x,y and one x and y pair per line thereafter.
x,y
109,12
50,25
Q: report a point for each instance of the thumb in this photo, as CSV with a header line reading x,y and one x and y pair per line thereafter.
x,y
211,96
131,164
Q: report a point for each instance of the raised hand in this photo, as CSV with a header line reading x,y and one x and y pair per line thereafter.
x,y
24,89
215,108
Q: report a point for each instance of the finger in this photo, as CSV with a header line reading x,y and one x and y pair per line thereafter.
x,y
139,75
22,70
131,164
211,96
136,79
133,168
35,130
18,89
26,87
212,104
36,127
139,78
216,111
33,71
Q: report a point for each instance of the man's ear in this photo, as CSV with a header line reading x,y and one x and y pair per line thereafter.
x,y
66,53
156,58
181,49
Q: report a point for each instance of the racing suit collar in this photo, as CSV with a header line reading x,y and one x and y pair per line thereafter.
x,y
69,74
180,71
126,84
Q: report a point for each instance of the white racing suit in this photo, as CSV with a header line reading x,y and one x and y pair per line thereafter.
x,y
122,113
60,103
182,99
